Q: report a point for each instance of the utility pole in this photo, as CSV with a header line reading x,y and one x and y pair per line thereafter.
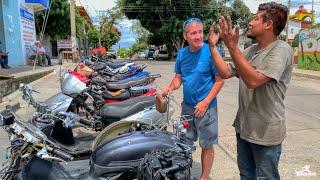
x,y
287,31
73,24
312,11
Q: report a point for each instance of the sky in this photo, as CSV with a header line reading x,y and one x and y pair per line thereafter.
x,y
128,37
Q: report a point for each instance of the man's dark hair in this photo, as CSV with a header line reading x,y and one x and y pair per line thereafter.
x,y
275,12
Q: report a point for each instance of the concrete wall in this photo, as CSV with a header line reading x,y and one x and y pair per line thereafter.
x,y
2,37
12,31
17,30
309,49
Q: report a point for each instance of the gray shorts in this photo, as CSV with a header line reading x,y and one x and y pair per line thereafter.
x,y
205,127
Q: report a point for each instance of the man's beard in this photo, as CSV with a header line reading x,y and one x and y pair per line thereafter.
x,y
251,36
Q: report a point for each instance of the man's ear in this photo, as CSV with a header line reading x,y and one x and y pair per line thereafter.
x,y
269,25
185,35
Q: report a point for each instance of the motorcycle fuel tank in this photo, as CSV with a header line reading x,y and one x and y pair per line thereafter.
x,y
127,150
59,102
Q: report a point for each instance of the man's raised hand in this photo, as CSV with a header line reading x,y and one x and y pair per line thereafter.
x,y
228,35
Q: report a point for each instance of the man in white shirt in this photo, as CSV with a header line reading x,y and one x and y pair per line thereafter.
x,y
40,52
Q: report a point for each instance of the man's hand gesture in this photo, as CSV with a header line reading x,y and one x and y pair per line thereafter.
x,y
229,36
213,37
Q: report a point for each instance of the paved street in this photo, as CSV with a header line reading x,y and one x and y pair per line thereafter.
x,y
300,148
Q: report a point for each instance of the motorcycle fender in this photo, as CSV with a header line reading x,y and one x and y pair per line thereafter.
x,y
150,116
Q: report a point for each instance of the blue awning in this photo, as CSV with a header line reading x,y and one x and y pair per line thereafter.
x,y
38,5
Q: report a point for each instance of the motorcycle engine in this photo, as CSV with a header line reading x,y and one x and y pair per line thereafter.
x,y
165,164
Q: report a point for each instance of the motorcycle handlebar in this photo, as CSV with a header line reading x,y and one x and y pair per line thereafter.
x,y
63,155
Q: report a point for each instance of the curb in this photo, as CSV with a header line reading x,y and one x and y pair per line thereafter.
x,y
311,76
10,85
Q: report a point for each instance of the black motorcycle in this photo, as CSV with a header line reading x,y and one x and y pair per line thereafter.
x,y
124,150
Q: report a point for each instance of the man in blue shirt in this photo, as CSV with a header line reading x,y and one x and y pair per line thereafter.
x,y
195,69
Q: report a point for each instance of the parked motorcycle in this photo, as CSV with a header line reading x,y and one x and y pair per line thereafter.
x,y
117,153
75,97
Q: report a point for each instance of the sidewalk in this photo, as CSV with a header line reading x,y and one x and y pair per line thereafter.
x,y
24,74
306,73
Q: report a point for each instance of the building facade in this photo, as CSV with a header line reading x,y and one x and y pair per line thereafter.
x,y
17,28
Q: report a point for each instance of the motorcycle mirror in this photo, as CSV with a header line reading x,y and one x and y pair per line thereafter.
x,y
9,108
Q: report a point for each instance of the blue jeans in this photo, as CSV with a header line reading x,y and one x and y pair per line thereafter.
x,y
48,59
257,162
4,61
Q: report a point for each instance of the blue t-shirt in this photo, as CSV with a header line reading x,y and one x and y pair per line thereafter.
x,y
198,73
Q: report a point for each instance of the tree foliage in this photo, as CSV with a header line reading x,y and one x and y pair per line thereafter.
x,y
93,36
240,14
58,23
124,53
295,41
164,19
110,37
141,33
109,33
138,47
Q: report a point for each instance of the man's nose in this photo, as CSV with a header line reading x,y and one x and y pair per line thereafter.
x,y
198,35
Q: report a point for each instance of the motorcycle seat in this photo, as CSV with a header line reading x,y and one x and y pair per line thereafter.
x,y
125,108
98,80
127,83
99,66
115,65
121,94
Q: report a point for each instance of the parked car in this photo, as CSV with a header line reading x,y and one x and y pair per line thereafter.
x,y
141,55
161,54
112,53
150,53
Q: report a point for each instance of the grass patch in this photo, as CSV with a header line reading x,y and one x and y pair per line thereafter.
x,y
309,62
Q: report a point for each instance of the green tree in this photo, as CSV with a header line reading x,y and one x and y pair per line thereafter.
x,y
295,41
141,33
93,36
240,14
164,19
58,23
109,33
124,53
138,47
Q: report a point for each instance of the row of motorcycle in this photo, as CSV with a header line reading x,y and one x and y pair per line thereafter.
x,y
108,122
